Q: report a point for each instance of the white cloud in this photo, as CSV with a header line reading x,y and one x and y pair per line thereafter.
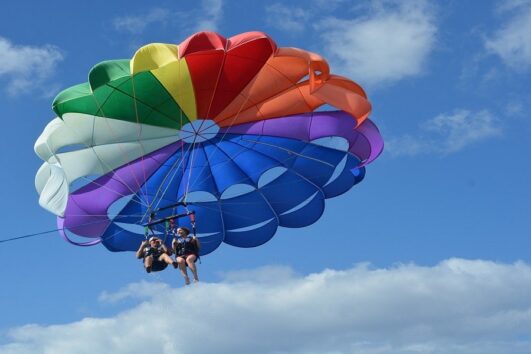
x,y
287,18
387,41
329,5
458,306
447,133
205,18
142,290
509,5
210,16
27,68
391,42
512,42
516,109
138,24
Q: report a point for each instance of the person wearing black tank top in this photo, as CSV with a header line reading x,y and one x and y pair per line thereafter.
x,y
155,254
186,250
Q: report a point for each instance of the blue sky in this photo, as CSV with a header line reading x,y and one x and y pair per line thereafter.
x,y
429,254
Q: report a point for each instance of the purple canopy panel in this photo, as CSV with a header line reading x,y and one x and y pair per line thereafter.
x,y
86,211
365,141
371,140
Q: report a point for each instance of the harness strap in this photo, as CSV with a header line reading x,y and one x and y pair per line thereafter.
x,y
192,222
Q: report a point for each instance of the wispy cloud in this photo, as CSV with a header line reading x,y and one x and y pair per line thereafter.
x,y
141,290
510,5
27,68
446,134
376,43
458,306
287,18
205,18
392,41
296,19
136,24
210,16
512,42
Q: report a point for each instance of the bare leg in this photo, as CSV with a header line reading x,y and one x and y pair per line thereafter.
x,y
182,268
167,259
148,262
190,260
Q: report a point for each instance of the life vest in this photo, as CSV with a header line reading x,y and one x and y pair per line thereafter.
x,y
156,252
186,245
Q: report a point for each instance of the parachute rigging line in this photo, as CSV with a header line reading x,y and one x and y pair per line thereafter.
x,y
55,230
247,111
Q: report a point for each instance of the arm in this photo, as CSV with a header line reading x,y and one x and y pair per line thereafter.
x,y
174,245
140,253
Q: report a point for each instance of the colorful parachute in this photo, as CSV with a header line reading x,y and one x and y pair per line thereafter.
x,y
229,126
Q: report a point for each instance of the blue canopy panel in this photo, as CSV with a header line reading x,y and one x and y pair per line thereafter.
x,y
326,167
225,172
197,175
128,209
160,184
291,193
309,173
118,239
249,161
349,176
248,219
283,150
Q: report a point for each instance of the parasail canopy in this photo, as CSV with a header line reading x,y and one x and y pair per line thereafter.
x,y
231,127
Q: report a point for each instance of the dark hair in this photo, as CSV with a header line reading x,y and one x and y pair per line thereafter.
x,y
185,229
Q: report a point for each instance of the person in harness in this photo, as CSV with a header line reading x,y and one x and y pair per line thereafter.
x,y
156,255
186,250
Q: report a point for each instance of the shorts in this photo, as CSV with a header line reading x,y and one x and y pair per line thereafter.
x,y
157,265
185,256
